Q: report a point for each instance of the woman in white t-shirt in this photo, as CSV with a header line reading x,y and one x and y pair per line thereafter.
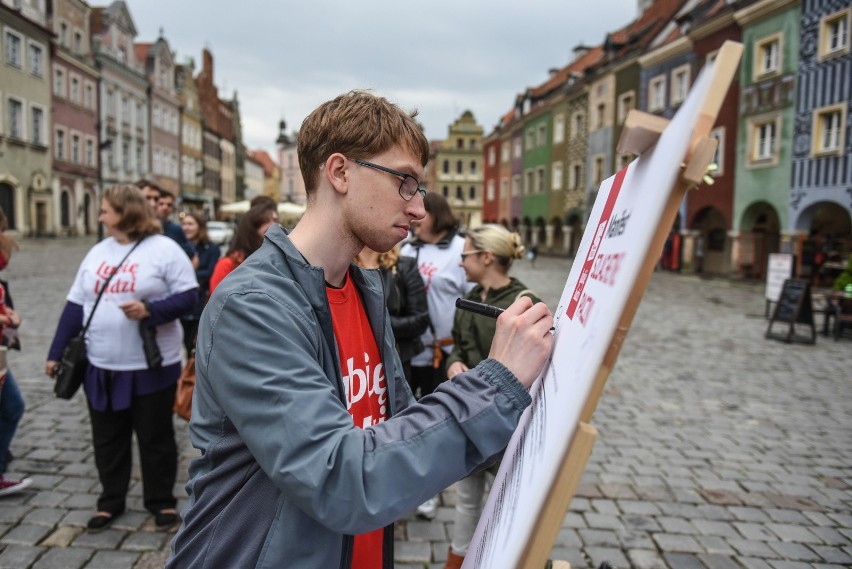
x,y
437,247
152,287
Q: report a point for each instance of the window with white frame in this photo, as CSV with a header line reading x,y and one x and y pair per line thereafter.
x,y
767,56
558,129
125,110
63,34
59,145
110,103
122,54
577,125
530,138
504,152
59,82
90,152
504,188
529,180
125,156
37,125
13,42
719,155
492,156
834,34
89,95
78,42
471,193
657,93
155,116
599,170
600,115
575,176
540,180
763,135
626,103
140,162
74,89
680,84
489,192
556,176
16,118
75,148
516,185
459,165
140,116
518,148
829,130
541,138
36,59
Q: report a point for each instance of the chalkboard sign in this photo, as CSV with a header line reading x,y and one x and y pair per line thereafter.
x,y
794,306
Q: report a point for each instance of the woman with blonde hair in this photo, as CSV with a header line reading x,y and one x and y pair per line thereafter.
x,y
486,259
134,282
404,297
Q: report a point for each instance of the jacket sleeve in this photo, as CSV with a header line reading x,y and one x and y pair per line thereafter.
x,y
260,363
70,325
416,318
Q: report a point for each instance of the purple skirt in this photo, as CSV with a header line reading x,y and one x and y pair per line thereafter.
x,y
110,389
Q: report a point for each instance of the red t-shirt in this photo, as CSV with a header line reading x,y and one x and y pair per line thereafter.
x,y
366,389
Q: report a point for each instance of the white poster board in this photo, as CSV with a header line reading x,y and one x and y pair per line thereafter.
x,y
623,222
779,268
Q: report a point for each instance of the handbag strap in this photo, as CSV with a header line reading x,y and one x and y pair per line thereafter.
x,y
103,289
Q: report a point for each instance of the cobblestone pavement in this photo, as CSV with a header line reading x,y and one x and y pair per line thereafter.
x,y
717,448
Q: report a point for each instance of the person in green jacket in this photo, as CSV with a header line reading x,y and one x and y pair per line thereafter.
x,y
486,259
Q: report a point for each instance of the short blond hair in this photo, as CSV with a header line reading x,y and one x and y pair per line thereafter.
x,y
357,124
505,245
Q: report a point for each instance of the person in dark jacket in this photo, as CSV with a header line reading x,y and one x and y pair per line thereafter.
x,y
195,228
405,298
486,258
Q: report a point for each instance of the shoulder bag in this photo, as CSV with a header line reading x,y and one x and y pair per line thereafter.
x,y
185,387
72,367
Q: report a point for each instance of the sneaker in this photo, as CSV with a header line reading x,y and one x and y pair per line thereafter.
x,y
12,486
428,509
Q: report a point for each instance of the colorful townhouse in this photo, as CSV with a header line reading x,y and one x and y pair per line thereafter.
x,y
458,169
192,194
768,70
25,103
820,200
123,115
76,148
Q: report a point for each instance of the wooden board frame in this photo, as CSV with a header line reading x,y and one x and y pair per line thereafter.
x,y
641,131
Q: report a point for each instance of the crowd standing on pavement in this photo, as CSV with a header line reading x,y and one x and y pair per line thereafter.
x,y
311,442
153,283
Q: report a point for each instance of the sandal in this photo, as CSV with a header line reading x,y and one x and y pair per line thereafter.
x,y
166,518
99,522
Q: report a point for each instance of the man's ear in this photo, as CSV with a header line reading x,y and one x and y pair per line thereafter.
x,y
336,172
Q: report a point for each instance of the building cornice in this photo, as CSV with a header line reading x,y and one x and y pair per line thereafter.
x,y
77,62
712,26
669,51
762,10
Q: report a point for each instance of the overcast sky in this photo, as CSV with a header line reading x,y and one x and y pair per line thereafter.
x,y
440,57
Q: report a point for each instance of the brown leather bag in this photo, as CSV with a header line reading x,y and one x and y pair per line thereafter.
x,y
185,387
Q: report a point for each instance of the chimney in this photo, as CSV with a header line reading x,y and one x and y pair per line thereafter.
x,y
580,50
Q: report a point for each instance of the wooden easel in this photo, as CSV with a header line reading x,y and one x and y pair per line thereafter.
x,y
641,131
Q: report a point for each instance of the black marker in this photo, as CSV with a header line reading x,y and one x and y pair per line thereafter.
x,y
479,308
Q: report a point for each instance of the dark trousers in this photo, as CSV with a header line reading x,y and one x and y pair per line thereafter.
x,y
150,417
427,379
190,330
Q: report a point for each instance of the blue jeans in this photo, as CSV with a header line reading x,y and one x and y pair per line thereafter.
x,y
11,411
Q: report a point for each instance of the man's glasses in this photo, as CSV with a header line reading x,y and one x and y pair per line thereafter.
x,y
409,185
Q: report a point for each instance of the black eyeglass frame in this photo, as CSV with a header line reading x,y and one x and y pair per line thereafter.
x,y
420,187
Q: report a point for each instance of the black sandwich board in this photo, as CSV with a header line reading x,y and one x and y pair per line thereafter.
x,y
794,306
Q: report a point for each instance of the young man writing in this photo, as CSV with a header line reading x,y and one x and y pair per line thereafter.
x,y
311,443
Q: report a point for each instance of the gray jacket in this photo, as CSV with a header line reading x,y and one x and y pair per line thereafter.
x,y
285,478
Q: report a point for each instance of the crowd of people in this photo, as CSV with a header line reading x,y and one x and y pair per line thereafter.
x,y
318,349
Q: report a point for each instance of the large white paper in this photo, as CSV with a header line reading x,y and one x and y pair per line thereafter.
x,y
625,217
